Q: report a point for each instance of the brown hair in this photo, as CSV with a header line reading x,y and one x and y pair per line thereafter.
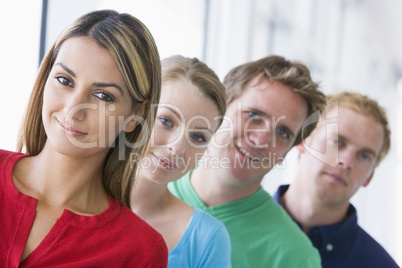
x,y
368,107
198,74
135,52
294,75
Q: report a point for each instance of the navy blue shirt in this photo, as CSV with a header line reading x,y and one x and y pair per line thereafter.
x,y
345,244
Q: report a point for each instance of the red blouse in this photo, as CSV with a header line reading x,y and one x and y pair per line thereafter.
x,y
114,238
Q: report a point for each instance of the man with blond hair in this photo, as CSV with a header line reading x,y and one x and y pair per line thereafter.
x,y
268,103
338,158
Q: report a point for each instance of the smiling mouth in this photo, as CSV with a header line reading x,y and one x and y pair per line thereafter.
x,y
165,163
248,155
69,130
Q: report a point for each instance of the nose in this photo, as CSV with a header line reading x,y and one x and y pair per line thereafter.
x,y
346,158
178,148
76,106
259,138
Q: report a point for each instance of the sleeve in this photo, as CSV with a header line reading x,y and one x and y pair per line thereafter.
x,y
217,250
312,261
159,258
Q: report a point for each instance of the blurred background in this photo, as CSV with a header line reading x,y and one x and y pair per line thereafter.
x,y
347,44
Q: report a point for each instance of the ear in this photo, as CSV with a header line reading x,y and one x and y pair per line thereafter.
x,y
369,179
136,118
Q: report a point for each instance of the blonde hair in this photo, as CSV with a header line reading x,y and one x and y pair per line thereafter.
x,y
294,75
197,74
368,107
135,52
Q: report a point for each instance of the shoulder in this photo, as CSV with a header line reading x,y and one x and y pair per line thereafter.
x,y
7,156
279,225
209,225
355,249
207,240
204,231
138,227
270,227
370,250
7,162
5,153
136,237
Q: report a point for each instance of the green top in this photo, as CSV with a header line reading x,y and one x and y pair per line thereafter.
x,y
262,234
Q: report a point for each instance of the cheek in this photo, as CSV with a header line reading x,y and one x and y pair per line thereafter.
x,y
362,172
116,121
322,151
197,153
162,138
108,125
193,156
281,145
51,104
49,99
157,138
312,164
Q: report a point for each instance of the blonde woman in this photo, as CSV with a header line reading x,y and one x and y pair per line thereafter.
x,y
65,201
191,109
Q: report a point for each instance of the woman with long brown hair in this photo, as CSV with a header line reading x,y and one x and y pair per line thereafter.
x,y
65,200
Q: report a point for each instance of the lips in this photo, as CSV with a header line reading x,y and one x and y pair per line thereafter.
x,y
165,163
70,131
336,178
247,154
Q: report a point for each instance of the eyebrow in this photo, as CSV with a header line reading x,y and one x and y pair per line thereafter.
x,y
172,110
70,72
364,149
203,128
109,85
266,116
177,114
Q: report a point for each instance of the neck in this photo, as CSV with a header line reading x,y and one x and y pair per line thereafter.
x,y
149,198
309,211
218,186
64,181
159,208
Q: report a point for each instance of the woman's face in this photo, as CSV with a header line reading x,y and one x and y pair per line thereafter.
x,y
86,103
184,125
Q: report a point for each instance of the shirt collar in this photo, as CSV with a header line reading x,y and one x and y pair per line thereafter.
x,y
328,236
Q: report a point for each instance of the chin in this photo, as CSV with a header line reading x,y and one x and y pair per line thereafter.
x,y
82,152
162,177
247,174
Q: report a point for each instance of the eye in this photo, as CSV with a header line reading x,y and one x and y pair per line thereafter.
x,y
337,142
104,96
166,121
283,133
365,156
63,80
253,115
198,137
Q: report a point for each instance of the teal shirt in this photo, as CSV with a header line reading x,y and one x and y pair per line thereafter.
x,y
205,243
261,233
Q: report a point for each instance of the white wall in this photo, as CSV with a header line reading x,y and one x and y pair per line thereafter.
x,y
19,50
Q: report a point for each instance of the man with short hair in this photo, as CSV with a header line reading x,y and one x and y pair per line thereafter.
x,y
338,158
268,102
